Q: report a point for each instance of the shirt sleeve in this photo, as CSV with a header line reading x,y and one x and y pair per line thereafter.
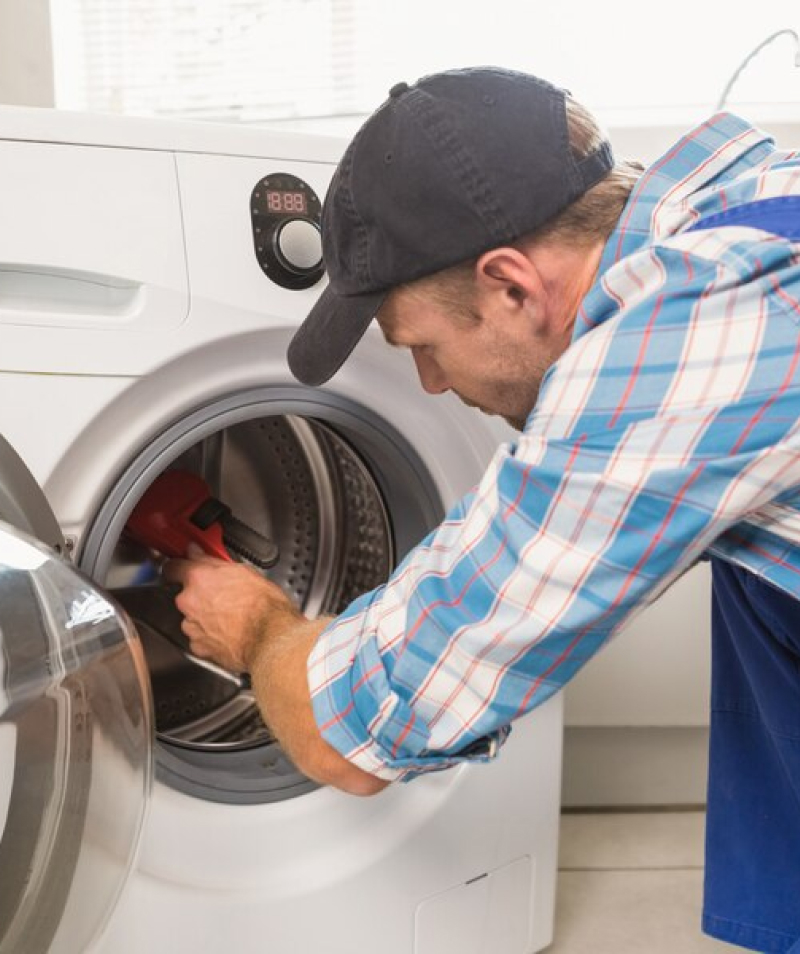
x,y
654,433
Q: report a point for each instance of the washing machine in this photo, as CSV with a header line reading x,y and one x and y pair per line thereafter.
x,y
151,276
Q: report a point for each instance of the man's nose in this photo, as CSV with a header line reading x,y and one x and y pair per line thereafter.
x,y
431,376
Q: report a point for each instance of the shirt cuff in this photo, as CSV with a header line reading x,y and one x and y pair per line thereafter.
x,y
355,711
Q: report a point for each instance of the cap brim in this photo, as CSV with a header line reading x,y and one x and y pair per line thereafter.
x,y
326,338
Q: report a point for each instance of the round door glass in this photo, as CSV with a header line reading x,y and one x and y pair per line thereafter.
x,y
75,751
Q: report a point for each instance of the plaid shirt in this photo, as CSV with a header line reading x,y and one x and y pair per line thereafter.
x,y
668,430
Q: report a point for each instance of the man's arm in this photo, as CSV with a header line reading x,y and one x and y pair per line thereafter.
x,y
247,624
278,669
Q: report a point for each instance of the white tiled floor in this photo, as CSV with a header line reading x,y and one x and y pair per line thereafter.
x,y
632,883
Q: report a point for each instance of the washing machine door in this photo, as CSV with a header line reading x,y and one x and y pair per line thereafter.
x,y
76,733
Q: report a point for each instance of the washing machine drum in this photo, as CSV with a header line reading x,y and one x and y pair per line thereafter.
x,y
302,484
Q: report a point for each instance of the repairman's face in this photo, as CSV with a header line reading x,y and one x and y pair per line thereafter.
x,y
488,361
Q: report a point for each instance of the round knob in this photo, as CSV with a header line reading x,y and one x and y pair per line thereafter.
x,y
298,245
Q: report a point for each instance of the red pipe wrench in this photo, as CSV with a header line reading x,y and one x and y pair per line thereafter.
x,y
177,509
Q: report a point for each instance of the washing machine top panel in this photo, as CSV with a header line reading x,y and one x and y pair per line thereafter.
x,y
133,132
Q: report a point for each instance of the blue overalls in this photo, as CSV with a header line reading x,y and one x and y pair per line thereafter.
x,y
752,878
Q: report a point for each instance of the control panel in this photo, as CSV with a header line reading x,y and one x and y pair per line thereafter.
x,y
286,215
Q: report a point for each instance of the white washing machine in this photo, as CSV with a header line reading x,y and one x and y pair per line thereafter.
x,y
151,276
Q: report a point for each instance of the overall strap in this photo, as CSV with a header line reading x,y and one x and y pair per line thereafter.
x,y
779,215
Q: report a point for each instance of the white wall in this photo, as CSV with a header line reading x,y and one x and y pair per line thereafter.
x,y
26,60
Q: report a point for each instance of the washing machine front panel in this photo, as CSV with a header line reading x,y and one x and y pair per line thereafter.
x,y
237,248
286,873
331,873
76,749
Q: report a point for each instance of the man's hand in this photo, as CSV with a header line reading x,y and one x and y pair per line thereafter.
x,y
245,623
227,608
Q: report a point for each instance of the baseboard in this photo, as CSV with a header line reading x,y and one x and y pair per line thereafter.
x,y
621,767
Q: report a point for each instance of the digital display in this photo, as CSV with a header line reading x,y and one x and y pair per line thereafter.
x,y
283,201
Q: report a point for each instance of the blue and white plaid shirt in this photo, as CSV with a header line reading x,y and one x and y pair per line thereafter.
x,y
668,430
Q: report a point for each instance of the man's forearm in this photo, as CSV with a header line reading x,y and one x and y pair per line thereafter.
x,y
277,665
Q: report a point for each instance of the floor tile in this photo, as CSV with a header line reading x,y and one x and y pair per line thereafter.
x,y
631,912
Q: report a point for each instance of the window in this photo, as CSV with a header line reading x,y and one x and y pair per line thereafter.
x,y
254,60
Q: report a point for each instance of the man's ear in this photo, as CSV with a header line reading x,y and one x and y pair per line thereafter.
x,y
510,280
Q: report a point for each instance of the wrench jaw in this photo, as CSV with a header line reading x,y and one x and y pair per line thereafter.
x,y
237,536
248,544
178,509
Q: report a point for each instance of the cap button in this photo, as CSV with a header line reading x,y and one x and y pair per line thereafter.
x,y
398,89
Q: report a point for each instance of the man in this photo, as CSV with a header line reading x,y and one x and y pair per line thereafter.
x,y
640,329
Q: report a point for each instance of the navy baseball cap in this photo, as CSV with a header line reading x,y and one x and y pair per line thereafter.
x,y
459,163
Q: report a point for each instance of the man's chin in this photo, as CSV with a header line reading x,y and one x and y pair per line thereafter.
x,y
518,423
